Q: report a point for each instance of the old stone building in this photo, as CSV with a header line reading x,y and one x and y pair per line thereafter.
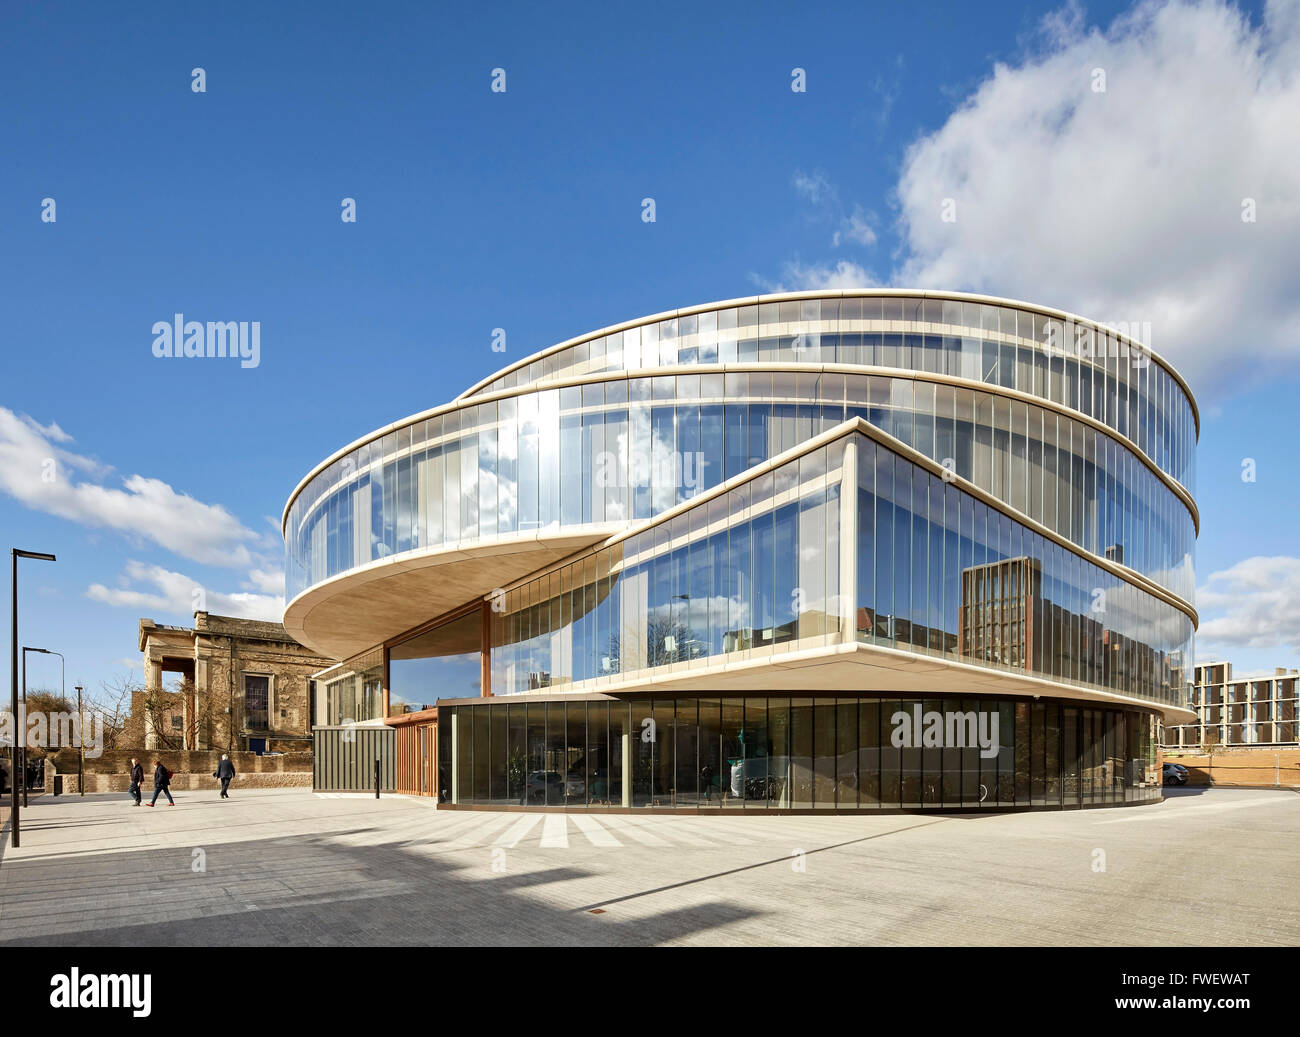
x,y
243,685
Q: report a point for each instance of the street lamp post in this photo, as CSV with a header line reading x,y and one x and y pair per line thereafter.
x,y
14,555
81,748
63,689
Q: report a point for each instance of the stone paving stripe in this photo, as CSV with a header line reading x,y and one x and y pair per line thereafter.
x,y
595,834
555,833
623,826
470,834
511,836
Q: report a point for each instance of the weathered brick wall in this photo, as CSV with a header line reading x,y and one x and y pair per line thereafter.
x,y
182,782
110,772
134,729
1252,768
199,761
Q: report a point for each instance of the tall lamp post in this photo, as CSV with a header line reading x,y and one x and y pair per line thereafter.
x,y
14,555
63,688
81,747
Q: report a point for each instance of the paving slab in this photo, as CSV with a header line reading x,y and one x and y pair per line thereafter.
x,y
292,868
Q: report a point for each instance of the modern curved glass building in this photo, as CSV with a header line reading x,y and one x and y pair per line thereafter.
x,y
886,550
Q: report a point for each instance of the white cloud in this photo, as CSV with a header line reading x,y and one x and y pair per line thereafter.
x,y
1253,604
812,186
854,225
166,591
40,472
797,277
887,90
268,581
1127,204
856,228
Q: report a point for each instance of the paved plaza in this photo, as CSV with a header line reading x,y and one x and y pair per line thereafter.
x,y
290,867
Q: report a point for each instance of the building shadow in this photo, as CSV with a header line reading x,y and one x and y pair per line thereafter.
x,y
318,891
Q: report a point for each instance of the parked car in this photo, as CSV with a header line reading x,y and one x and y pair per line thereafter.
x,y
1174,774
545,786
575,786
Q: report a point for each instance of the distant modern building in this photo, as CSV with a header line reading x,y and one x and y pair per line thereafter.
x,y
1254,709
847,551
242,684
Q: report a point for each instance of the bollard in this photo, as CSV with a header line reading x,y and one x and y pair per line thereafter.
x,y
376,777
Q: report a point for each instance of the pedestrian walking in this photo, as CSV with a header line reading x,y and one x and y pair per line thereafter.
x,y
162,778
226,772
137,779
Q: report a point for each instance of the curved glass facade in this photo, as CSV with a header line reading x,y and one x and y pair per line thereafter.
x,y
762,753
795,489
759,570
1080,365
624,449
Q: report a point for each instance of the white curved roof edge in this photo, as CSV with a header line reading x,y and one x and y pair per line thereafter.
x,y
464,398
842,293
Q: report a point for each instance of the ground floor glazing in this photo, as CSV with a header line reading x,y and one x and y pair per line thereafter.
x,y
845,754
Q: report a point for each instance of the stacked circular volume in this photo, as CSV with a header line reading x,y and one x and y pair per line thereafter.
x,y
873,476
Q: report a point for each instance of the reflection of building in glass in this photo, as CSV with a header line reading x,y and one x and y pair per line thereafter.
x,y
892,497
999,603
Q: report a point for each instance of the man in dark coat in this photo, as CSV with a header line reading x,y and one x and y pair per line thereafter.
x,y
137,779
226,772
162,778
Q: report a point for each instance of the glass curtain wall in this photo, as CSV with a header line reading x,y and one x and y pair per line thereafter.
x,y
621,451
943,573
358,694
1083,367
753,570
445,662
757,570
759,753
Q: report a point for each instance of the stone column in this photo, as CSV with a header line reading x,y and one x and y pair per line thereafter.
x,y
153,688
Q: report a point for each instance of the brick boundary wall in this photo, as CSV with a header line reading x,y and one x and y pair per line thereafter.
x,y
191,770
185,782
1241,768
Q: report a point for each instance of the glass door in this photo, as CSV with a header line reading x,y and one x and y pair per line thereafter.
x,y
1070,764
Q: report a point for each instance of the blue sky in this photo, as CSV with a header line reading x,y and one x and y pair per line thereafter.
x,y
521,210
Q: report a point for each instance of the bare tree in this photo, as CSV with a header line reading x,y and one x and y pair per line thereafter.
x,y
51,704
113,703
162,706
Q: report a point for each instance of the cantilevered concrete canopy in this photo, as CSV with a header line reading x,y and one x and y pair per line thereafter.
x,y
367,606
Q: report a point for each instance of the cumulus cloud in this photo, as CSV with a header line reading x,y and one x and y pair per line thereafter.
x,y
1253,604
1128,204
1170,198
797,276
38,469
849,224
856,228
269,581
812,186
146,588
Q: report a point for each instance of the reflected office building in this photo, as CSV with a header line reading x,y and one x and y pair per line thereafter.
x,y
834,551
